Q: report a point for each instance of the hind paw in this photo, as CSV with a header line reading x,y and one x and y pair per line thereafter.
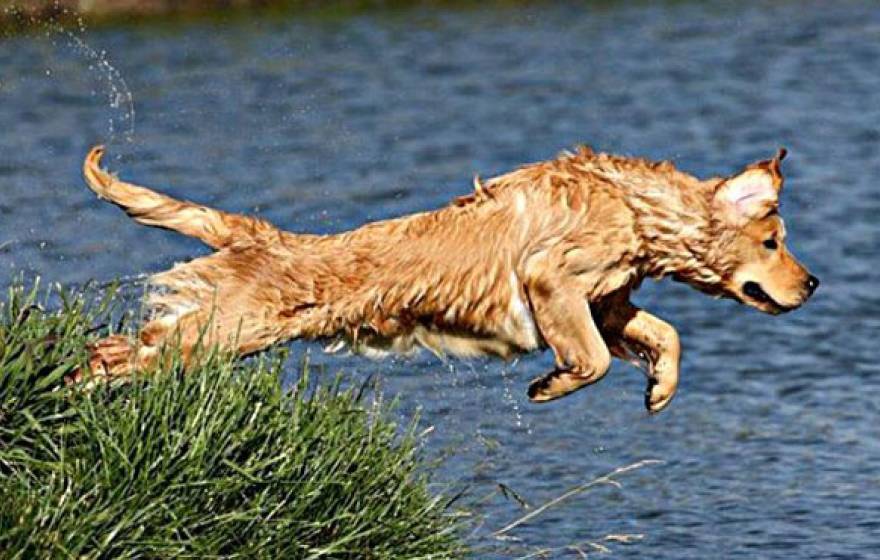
x,y
109,358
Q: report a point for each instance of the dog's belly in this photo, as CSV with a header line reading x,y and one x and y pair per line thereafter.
x,y
438,341
515,333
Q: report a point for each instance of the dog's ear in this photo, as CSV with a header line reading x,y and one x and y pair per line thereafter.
x,y
774,166
751,194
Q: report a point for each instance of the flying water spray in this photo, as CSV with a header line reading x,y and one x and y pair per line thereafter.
x,y
68,28
120,99
74,68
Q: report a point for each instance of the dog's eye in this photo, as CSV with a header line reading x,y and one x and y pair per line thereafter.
x,y
771,244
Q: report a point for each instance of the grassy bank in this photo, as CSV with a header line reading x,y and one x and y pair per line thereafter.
x,y
222,462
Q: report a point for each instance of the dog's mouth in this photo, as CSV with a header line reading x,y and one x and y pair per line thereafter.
x,y
756,293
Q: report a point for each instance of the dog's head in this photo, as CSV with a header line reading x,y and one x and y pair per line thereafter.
x,y
759,269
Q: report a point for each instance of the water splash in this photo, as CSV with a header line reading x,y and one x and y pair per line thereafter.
x,y
509,380
119,97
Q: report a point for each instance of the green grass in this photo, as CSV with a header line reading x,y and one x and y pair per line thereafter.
x,y
222,462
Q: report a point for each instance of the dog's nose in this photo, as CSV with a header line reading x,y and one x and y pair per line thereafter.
x,y
812,284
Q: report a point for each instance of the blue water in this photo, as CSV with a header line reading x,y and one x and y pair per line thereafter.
x,y
319,125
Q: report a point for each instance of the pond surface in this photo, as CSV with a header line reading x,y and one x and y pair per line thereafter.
x,y
771,446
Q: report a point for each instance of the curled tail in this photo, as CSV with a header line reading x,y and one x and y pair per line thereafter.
x,y
216,228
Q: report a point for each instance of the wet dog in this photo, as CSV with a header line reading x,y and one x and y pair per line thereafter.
x,y
545,256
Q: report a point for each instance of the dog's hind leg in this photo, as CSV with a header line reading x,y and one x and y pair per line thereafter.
x,y
115,357
119,356
216,228
183,334
238,300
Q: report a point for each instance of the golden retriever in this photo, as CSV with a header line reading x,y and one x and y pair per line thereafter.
x,y
544,256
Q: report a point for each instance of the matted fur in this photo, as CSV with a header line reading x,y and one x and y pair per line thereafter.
x,y
544,256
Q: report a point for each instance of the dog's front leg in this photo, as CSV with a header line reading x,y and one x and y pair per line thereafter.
x,y
563,316
658,339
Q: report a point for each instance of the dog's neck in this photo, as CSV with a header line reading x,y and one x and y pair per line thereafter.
x,y
673,220
672,215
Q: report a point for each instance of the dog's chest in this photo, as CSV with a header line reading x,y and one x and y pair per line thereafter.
x,y
519,326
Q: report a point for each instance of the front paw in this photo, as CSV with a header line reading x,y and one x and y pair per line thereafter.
x,y
539,389
658,395
555,385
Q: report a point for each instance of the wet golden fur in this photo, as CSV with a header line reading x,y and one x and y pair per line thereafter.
x,y
544,256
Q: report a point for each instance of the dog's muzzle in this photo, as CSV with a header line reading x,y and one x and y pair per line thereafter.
x,y
755,292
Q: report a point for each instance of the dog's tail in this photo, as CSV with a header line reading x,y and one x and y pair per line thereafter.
x,y
216,228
